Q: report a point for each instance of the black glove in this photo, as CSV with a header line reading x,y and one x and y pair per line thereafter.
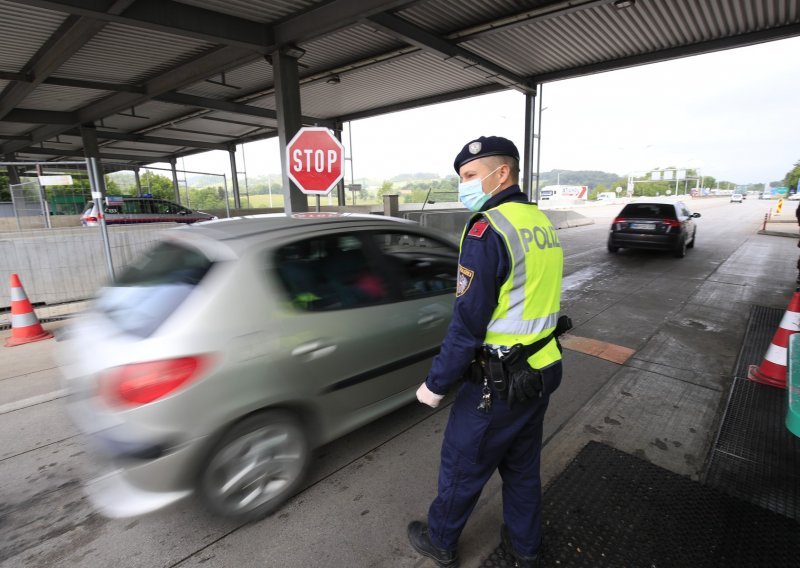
x,y
524,386
524,383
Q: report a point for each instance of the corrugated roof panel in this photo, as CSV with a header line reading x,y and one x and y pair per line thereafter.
x,y
250,77
201,124
147,115
137,147
146,157
188,134
445,16
55,97
63,143
14,128
124,54
24,30
243,118
606,33
264,11
344,46
405,78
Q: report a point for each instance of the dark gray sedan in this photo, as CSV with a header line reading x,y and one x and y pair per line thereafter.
x,y
654,224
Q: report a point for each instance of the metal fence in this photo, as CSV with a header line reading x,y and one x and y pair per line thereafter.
x,y
61,263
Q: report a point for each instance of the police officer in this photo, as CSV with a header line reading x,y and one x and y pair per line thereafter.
x,y
508,294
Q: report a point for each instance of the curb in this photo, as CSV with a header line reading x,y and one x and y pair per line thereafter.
x,y
779,234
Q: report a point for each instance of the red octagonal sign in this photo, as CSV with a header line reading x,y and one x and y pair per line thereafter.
x,y
316,160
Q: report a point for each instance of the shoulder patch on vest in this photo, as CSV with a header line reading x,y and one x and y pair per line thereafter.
x,y
464,280
478,229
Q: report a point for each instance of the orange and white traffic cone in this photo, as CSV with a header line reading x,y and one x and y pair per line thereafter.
x,y
25,326
772,370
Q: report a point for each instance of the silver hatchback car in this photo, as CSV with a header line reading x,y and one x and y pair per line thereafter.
x,y
222,357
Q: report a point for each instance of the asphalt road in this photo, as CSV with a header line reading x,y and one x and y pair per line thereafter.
x,y
365,488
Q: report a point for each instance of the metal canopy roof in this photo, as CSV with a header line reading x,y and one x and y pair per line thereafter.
x,y
160,79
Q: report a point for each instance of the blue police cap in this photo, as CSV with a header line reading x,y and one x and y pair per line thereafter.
x,y
485,146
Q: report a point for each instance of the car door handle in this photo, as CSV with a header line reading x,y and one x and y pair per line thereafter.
x,y
430,320
313,350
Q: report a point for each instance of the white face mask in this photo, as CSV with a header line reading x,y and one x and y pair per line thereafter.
x,y
471,193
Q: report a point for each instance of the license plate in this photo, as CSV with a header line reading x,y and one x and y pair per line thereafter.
x,y
643,226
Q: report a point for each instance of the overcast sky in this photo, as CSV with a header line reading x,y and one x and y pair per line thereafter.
x,y
734,115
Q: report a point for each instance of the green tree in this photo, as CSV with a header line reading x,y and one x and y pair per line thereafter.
x,y
599,188
5,192
386,187
207,198
416,196
157,185
792,177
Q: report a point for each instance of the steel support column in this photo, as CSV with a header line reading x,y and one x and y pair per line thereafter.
x,y
13,174
527,152
287,99
341,199
237,200
97,183
138,182
173,163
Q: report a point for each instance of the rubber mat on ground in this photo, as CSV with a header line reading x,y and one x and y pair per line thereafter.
x,y
611,509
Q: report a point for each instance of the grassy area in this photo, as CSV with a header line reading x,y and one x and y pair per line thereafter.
x,y
260,201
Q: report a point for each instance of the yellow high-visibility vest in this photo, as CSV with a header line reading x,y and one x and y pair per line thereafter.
x,y
530,298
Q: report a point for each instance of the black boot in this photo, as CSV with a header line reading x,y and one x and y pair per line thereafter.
x,y
418,536
520,561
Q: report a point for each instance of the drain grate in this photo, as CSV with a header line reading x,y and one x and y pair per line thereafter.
x,y
756,458
609,508
761,328
5,326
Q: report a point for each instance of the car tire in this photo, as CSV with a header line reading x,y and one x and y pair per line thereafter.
x,y
694,238
680,252
256,466
612,248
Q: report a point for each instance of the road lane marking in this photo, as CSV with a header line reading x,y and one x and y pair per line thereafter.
x,y
600,349
31,401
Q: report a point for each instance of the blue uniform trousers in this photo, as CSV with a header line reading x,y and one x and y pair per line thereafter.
x,y
476,443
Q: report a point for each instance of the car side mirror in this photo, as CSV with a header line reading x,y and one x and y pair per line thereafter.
x,y
695,215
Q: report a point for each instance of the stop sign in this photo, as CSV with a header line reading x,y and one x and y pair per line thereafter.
x,y
315,160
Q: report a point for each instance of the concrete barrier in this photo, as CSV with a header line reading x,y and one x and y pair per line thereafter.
x,y
452,222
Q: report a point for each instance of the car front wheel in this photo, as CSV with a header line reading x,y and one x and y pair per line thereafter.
x,y
256,466
694,238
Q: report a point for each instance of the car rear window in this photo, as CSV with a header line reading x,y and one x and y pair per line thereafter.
x,y
152,287
648,211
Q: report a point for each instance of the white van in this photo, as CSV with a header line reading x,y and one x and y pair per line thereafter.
x,y
606,196
134,210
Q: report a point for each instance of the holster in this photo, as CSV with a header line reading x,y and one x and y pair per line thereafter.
x,y
512,374
522,378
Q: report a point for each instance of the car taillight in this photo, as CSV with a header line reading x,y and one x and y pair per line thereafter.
x,y
671,222
141,383
620,220
90,219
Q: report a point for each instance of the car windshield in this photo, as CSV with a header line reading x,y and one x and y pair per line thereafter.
x,y
152,287
648,211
